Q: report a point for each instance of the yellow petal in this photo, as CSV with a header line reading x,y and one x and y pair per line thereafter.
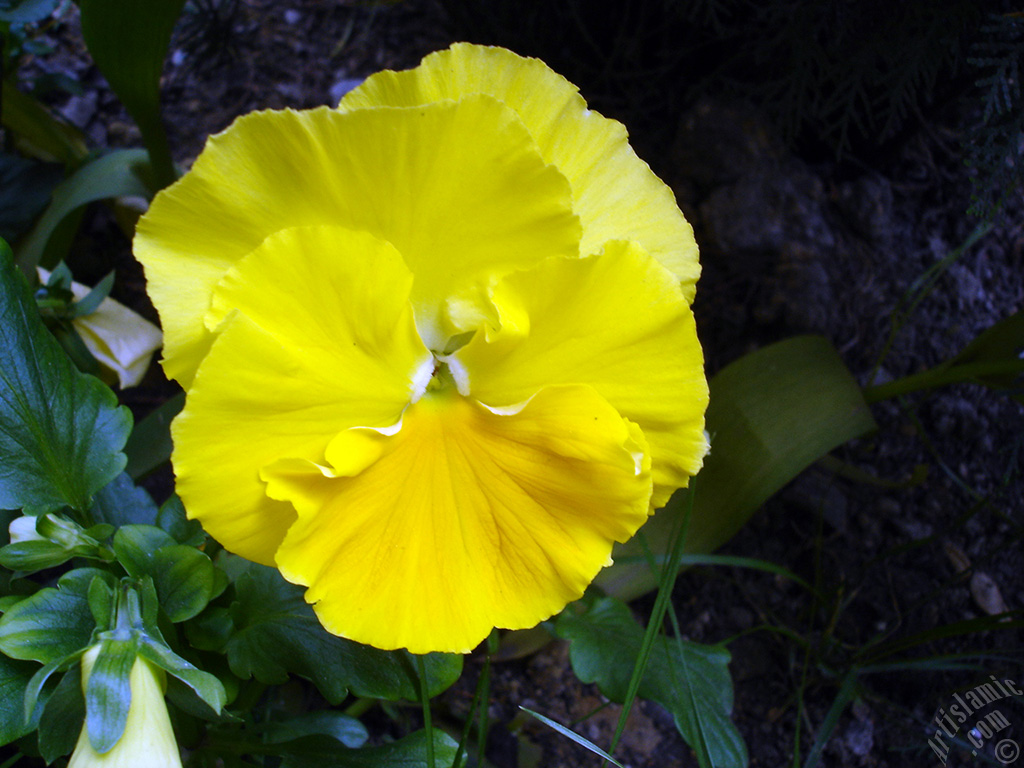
x,y
318,341
616,321
148,740
459,189
469,519
615,193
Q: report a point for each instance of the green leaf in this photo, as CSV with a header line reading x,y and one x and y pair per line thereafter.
x,y
100,596
409,752
278,634
128,41
121,172
691,680
995,358
136,547
61,432
772,414
121,502
38,132
62,717
183,576
36,693
573,736
184,581
325,723
150,443
205,685
25,189
108,693
172,519
211,631
52,624
14,677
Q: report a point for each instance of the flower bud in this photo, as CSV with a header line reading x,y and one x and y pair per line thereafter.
x,y
148,739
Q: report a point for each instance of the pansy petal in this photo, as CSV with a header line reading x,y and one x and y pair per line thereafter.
x,y
327,287
459,189
262,395
467,520
617,321
615,193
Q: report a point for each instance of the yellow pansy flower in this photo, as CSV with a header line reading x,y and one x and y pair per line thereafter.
x,y
148,739
437,346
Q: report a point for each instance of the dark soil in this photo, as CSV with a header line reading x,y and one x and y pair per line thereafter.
x,y
788,247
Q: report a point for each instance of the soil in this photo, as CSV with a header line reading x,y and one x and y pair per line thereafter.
x,y
932,536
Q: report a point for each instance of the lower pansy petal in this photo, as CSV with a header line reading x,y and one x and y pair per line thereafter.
x,y
468,519
617,321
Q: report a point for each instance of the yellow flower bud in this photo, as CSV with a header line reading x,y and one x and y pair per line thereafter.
x,y
121,340
148,740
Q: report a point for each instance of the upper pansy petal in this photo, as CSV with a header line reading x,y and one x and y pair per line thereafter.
x,y
615,193
616,321
459,189
284,380
464,519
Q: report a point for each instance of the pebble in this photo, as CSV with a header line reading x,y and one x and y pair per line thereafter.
x,y
343,86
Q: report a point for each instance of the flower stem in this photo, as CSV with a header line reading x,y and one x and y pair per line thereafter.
x,y
428,726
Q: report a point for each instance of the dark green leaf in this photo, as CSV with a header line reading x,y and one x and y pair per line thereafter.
x,y
150,443
172,519
61,432
51,624
184,581
36,692
101,602
772,414
410,752
211,631
690,680
121,502
335,725
278,633
136,547
108,693
62,718
14,677
128,41
25,189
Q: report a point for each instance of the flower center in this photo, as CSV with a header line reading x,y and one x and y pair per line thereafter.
x,y
441,376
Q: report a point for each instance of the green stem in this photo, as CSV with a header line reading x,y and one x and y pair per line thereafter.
x,y
359,707
485,696
428,726
941,376
668,578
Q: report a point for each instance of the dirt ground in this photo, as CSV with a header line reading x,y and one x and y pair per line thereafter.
x,y
788,246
